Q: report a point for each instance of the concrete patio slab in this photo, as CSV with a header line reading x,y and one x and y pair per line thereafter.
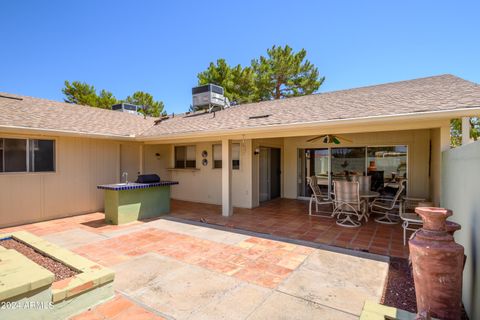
x,y
236,304
185,290
134,275
283,306
333,279
199,232
73,238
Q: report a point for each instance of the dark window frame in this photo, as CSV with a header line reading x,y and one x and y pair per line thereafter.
x,y
217,163
184,163
30,149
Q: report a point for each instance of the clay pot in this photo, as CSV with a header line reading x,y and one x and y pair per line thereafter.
x,y
437,263
452,227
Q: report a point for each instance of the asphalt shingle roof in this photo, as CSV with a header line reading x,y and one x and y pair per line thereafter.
x,y
45,114
438,93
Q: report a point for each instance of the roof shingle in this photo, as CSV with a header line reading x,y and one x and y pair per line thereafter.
x,y
438,93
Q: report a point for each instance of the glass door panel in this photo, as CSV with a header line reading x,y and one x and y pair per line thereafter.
x,y
347,162
387,165
313,162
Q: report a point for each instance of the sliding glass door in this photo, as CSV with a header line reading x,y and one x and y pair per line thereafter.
x,y
347,162
313,162
386,164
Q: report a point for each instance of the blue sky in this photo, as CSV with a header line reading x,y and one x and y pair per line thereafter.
x,y
160,46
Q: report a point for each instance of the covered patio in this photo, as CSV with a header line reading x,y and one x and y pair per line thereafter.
x,y
288,218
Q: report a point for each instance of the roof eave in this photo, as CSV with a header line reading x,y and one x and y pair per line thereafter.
x,y
415,116
66,133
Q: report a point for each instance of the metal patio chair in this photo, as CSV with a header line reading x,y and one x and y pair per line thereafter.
x,y
411,220
347,204
389,208
365,183
318,197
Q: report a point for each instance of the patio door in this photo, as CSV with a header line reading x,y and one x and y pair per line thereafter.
x,y
313,162
269,174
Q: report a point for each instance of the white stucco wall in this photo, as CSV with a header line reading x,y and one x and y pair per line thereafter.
x,y
203,184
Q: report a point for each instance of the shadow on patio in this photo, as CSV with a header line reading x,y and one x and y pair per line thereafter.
x,y
289,218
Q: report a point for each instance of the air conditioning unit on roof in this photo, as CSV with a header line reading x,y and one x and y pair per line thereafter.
x,y
208,96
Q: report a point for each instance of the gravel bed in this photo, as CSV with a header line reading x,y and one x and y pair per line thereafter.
x,y
400,289
60,270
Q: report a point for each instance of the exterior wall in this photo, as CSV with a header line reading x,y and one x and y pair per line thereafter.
x,y
418,142
81,164
203,184
130,160
460,193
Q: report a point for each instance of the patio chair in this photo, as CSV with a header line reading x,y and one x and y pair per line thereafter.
x,y
411,220
389,208
365,183
318,197
347,203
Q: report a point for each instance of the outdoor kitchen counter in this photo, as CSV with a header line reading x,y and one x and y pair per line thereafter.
x,y
128,202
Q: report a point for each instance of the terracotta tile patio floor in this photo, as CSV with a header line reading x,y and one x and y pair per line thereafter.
x,y
240,259
289,218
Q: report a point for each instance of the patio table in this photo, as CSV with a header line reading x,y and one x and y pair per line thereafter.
x,y
367,195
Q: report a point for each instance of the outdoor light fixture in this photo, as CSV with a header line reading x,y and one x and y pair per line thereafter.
x,y
257,151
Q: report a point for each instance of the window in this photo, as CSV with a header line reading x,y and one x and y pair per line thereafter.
x,y
41,155
217,156
27,155
236,156
185,157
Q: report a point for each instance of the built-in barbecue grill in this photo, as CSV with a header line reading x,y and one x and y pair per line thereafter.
x,y
148,178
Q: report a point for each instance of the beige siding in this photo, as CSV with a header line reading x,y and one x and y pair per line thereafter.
x,y
130,160
81,164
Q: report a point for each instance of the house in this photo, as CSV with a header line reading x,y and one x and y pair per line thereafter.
x,y
53,154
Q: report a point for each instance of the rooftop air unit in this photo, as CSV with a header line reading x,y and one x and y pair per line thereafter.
x,y
127,107
208,96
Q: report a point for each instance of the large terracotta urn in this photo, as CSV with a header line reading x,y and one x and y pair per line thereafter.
x,y
437,263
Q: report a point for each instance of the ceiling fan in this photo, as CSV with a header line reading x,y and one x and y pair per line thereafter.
x,y
329,138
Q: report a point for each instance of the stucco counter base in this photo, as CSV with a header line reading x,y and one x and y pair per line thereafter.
x,y
134,201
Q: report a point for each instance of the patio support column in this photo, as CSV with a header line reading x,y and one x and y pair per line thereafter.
x,y
465,130
227,206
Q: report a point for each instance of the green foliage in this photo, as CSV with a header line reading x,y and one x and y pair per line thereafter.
x,y
106,100
150,106
80,93
281,74
84,94
456,131
237,82
284,74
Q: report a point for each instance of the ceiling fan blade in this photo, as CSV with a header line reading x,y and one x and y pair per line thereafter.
x,y
342,138
314,138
